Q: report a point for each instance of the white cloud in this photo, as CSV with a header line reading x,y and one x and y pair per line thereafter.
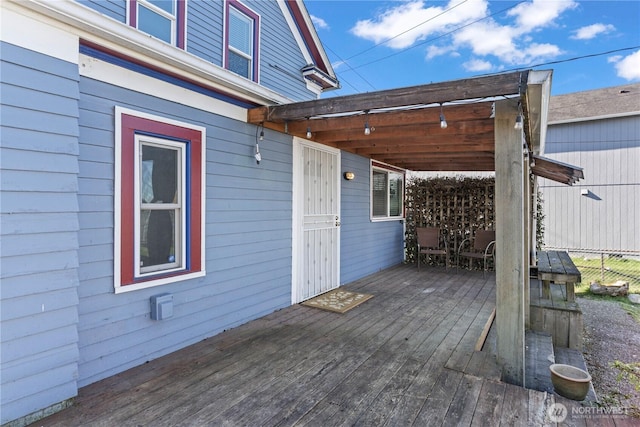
x,y
488,38
614,58
629,67
433,51
591,31
319,23
456,29
476,65
541,51
338,64
408,23
539,13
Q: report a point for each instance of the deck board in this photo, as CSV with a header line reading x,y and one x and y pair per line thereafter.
x,y
404,357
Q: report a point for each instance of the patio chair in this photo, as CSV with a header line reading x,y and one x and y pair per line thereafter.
x,y
432,242
483,247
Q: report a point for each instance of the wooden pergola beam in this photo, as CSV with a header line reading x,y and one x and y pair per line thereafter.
x,y
449,165
426,132
454,113
439,150
436,93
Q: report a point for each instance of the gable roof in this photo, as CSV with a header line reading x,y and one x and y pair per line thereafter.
x,y
615,101
319,70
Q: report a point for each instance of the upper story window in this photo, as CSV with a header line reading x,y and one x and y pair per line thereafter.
x,y
164,19
387,192
242,40
159,202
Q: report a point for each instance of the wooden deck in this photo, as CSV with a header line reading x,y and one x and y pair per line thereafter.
x,y
405,357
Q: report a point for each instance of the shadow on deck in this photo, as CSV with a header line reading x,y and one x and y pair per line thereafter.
x,y
405,357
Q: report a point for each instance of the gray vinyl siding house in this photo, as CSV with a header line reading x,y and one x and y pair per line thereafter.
x,y
62,324
599,130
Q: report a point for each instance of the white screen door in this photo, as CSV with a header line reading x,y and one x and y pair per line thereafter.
x,y
316,234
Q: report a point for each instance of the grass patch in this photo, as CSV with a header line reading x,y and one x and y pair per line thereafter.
x,y
615,269
632,309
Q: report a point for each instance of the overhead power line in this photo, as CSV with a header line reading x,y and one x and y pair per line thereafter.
x,y
576,58
406,31
438,37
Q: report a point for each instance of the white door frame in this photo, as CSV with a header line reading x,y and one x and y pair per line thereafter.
x,y
298,268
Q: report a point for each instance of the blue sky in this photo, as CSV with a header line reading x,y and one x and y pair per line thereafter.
x,y
377,45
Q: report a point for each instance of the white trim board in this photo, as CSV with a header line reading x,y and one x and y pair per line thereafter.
x,y
80,22
128,79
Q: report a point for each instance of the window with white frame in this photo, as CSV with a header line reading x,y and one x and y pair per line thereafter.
x,y
164,19
242,35
159,200
159,224
387,192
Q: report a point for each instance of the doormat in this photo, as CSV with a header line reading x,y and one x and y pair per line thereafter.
x,y
337,300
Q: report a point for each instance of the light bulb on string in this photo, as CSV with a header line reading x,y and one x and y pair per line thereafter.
x,y
443,121
367,129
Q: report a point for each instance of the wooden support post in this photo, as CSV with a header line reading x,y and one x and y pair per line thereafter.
x,y
527,209
511,247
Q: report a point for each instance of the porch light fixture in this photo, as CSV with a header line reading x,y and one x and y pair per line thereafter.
x,y
367,129
257,155
443,121
259,138
349,176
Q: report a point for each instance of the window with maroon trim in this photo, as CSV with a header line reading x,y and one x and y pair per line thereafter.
x,y
242,36
164,19
387,192
159,200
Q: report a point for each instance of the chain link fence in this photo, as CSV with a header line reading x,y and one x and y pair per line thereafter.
x,y
606,266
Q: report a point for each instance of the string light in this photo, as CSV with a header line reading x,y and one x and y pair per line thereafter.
x,y
443,121
308,129
518,123
367,129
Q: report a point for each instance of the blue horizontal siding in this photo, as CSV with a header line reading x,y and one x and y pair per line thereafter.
x,y
366,246
44,383
17,286
35,223
50,121
37,181
35,364
38,140
39,240
24,347
280,58
37,75
37,244
116,9
204,27
248,237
